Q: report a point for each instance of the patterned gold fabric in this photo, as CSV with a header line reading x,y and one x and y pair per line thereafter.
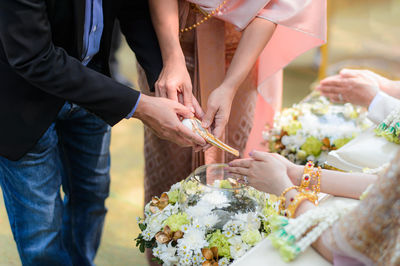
x,y
371,232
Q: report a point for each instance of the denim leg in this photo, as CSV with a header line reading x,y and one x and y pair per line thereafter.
x,y
84,146
31,190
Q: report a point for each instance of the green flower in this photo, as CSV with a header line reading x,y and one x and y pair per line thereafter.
x,y
341,142
312,146
225,184
219,240
173,196
301,155
251,237
292,128
176,221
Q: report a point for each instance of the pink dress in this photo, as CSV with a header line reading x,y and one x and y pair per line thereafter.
x,y
301,25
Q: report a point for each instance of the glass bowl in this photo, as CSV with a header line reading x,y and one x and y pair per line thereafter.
x,y
212,189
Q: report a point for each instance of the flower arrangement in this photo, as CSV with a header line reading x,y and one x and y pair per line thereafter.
x,y
205,224
310,129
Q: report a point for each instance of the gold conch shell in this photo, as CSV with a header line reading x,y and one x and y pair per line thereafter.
x,y
195,125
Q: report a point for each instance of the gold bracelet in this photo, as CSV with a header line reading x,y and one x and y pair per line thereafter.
x,y
307,176
298,199
283,199
317,176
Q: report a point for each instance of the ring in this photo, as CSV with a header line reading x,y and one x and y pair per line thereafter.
x,y
245,180
340,97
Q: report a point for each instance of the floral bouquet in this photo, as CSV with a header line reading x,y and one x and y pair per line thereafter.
x,y
313,127
211,218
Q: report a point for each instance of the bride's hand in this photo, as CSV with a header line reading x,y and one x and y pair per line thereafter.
x,y
218,110
264,172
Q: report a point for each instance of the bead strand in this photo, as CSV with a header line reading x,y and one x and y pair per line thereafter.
x,y
211,14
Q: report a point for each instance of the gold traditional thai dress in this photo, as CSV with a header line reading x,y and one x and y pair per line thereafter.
x,y
208,51
370,234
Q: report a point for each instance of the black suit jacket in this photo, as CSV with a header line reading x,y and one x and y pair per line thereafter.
x,y
40,65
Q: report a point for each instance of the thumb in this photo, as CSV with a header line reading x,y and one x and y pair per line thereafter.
x,y
259,155
182,110
347,73
208,118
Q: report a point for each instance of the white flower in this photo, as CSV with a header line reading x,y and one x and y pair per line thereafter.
x,y
215,199
175,186
171,209
235,226
199,210
209,221
192,239
148,235
157,251
228,233
168,254
237,248
223,261
250,220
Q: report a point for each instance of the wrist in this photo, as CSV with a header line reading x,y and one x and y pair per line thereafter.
x,y
286,183
227,89
173,58
141,107
295,173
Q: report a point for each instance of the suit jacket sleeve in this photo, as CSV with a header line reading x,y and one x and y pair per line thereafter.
x,y
136,25
26,37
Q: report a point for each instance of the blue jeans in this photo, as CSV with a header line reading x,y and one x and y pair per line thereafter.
x,y
74,154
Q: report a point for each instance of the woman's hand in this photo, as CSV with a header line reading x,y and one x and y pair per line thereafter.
x,y
218,110
264,171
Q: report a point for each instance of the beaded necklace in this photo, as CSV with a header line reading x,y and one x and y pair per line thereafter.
x,y
207,16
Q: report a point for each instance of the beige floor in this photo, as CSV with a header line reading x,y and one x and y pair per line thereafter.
x,y
365,31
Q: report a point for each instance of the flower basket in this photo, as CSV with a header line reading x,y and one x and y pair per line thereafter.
x,y
209,218
312,128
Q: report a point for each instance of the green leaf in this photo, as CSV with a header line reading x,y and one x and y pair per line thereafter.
x,y
141,247
142,227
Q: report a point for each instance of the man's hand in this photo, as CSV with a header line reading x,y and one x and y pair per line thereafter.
x,y
218,110
355,87
161,115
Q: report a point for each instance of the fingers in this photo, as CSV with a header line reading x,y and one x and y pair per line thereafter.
x,y
188,97
239,170
348,73
198,111
244,163
259,155
208,118
172,92
330,89
182,110
334,97
190,135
